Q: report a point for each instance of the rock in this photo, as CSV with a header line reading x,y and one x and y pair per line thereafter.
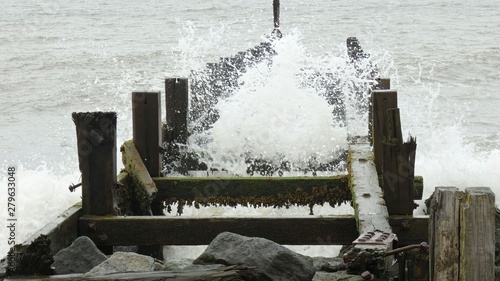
x,y
271,259
80,257
123,262
177,264
328,264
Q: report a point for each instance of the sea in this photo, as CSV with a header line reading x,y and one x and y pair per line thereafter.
x,y
60,56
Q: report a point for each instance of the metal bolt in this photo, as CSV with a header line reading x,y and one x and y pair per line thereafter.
x,y
92,226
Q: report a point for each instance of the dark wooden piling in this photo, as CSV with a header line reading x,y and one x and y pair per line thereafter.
x,y
96,140
147,139
380,84
146,115
398,167
176,100
381,101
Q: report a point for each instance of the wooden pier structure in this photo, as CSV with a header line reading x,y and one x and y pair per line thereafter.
x,y
126,208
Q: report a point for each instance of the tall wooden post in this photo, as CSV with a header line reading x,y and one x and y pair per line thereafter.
x,y
381,84
398,167
146,114
477,234
96,140
462,234
177,102
444,239
381,101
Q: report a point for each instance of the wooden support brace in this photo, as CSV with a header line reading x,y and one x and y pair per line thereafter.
x,y
142,184
370,211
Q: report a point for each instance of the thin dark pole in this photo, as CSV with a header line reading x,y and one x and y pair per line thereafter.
x,y
276,11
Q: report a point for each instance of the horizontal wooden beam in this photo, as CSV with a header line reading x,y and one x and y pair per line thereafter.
x,y
190,187
261,191
157,230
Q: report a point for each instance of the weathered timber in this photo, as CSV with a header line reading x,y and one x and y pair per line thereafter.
x,y
139,181
96,140
177,104
477,234
398,167
337,230
227,273
245,190
371,212
381,101
61,231
146,115
444,237
159,230
380,84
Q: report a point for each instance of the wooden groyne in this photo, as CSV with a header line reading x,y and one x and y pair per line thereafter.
x,y
387,240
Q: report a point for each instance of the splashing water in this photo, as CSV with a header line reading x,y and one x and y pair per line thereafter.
x,y
281,113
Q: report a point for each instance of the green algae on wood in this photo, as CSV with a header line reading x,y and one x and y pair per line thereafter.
x,y
254,191
139,180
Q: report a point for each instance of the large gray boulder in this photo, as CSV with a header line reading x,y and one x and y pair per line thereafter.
x,y
271,259
123,262
80,257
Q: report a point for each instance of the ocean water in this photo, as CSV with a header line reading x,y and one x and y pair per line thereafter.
x,y
443,57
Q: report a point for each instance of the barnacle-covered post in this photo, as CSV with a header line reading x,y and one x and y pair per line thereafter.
x,y
96,141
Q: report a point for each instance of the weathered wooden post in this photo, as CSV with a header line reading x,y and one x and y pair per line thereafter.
x,y
381,84
462,234
444,239
96,140
477,234
146,112
146,115
177,102
381,101
398,167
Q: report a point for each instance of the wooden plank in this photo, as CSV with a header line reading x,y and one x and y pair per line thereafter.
x,y
146,115
226,273
381,101
444,237
371,212
96,140
398,167
158,230
145,188
177,104
190,188
477,234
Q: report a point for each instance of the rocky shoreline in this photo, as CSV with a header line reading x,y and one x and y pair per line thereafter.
x,y
229,257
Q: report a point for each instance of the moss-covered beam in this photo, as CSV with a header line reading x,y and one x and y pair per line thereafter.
x,y
256,191
140,181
